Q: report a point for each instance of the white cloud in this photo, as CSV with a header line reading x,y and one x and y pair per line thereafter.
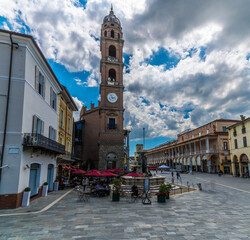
x,y
156,98
79,105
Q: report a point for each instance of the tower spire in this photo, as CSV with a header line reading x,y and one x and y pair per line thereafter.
x,y
111,9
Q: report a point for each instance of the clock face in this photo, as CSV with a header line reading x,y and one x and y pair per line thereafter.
x,y
112,97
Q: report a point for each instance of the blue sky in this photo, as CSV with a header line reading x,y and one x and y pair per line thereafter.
x,y
186,63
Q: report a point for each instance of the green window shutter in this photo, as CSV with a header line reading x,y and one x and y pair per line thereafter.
x,y
36,78
34,127
42,129
44,86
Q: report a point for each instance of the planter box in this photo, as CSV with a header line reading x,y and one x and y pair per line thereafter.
x,y
56,186
161,199
116,197
167,196
26,199
45,190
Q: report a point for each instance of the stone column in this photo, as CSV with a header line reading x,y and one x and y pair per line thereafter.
x,y
200,147
189,149
201,165
207,145
194,148
208,166
240,167
233,169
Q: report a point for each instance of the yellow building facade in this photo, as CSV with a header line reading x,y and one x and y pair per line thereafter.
x,y
239,143
66,107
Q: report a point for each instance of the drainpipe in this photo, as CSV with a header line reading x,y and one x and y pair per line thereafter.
x,y
66,124
7,108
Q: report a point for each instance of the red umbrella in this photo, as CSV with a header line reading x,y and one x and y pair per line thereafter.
x,y
109,174
95,173
78,171
115,170
134,174
67,168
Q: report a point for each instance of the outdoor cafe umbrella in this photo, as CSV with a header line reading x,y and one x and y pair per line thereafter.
x,y
109,174
134,174
114,170
78,171
94,174
163,167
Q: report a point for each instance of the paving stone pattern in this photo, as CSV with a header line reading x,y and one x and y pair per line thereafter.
x,y
218,212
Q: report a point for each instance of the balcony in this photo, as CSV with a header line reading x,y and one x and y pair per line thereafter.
x,y
112,126
36,140
111,59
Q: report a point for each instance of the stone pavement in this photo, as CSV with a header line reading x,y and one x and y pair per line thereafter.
x,y
218,212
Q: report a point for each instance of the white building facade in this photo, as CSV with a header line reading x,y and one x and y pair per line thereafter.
x,y
28,119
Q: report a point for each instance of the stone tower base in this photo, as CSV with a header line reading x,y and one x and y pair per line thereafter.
x,y
111,156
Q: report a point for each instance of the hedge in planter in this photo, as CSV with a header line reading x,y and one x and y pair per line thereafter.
x,y
26,197
116,190
163,193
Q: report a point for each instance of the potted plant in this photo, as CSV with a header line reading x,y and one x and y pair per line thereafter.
x,y
26,197
116,189
56,185
163,192
45,189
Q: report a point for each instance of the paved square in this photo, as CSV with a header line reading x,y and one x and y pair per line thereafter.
x,y
220,211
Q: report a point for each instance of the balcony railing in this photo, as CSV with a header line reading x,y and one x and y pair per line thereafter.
x,y
40,141
111,59
112,126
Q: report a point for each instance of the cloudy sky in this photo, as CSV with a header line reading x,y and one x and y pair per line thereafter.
x,y
186,61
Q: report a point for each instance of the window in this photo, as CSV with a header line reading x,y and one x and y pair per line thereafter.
x,y
112,24
245,141
52,98
61,118
192,136
61,140
112,51
105,33
111,124
235,133
112,34
199,134
52,133
243,129
68,125
118,35
224,129
225,145
38,125
207,131
112,75
235,144
39,82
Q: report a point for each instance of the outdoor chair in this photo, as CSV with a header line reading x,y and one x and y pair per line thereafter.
x,y
83,196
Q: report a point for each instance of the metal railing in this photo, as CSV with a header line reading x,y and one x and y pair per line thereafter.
x,y
38,140
112,126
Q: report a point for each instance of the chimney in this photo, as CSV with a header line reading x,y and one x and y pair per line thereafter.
x,y
92,105
242,117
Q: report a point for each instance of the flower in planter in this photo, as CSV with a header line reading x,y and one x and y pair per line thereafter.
x,y
164,189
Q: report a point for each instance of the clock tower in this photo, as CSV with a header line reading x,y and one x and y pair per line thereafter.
x,y
111,148
103,132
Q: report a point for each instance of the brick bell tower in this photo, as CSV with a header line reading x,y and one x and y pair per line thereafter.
x,y
111,140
